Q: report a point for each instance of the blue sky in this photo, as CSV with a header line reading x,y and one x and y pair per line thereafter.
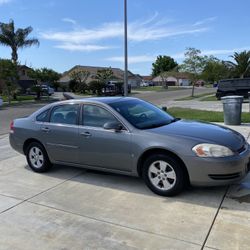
x,y
90,32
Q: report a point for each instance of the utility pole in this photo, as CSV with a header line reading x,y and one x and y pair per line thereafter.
x,y
125,50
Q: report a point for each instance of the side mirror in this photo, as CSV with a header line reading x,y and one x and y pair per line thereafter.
x,y
117,126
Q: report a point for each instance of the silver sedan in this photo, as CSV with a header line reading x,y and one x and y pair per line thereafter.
x,y
130,136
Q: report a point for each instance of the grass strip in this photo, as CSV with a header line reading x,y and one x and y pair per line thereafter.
x,y
203,115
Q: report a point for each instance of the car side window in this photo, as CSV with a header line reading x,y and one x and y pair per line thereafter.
x,y
65,114
95,116
43,117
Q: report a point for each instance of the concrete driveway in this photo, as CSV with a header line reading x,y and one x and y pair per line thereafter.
x,y
70,208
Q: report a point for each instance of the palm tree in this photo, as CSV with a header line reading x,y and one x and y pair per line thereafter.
x,y
16,39
242,64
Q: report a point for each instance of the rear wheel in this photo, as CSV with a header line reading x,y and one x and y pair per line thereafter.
x,y
163,175
37,158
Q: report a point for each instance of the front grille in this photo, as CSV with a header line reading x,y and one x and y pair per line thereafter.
x,y
224,176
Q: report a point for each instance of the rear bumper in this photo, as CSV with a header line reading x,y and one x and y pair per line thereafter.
x,y
218,171
16,143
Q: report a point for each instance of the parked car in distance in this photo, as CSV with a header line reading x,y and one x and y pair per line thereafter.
x,y
113,88
130,136
45,90
239,86
1,101
144,84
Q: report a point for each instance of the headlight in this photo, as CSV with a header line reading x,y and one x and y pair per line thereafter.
x,y
211,150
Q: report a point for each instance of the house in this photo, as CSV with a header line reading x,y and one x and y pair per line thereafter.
x,y
147,81
200,83
134,80
24,80
147,78
118,75
178,79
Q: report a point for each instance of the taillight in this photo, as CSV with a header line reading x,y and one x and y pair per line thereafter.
x,y
12,127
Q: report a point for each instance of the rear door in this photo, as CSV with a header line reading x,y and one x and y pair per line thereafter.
x,y
60,134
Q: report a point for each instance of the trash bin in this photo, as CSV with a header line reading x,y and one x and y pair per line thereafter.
x,y
249,100
232,109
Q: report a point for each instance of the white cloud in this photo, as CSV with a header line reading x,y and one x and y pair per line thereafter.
x,y
149,29
4,1
151,58
132,59
69,20
81,47
224,51
205,21
214,52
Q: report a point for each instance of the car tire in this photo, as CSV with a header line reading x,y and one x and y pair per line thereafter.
x,y
37,158
163,174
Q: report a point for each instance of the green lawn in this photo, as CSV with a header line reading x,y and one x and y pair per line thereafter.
x,y
19,98
188,98
210,116
209,98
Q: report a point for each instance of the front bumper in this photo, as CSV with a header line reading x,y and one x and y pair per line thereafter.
x,y
218,171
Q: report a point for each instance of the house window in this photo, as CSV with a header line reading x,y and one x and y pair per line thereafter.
x,y
23,72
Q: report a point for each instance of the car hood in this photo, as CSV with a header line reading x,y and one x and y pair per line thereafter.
x,y
203,132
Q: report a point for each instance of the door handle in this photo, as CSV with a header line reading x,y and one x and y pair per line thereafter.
x,y
46,130
85,134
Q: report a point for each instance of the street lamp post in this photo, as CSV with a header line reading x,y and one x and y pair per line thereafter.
x,y
125,50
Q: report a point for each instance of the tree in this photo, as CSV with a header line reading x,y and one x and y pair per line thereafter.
x,y
96,87
9,76
242,65
193,64
215,70
162,64
50,76
16,39
104,75
80,76
73,85
44,75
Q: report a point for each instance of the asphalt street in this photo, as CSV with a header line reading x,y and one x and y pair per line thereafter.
x,y
9,113
162,97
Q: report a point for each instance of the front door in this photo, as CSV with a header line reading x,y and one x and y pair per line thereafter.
x,y
100,147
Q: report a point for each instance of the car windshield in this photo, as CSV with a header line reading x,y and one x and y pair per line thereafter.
x,y
141,114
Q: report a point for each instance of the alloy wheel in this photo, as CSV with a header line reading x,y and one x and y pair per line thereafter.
x,y
162,175
36,157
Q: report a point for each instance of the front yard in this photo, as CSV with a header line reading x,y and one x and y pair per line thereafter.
x,y
203,115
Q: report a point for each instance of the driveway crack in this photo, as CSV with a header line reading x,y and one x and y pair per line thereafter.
x,y
215,217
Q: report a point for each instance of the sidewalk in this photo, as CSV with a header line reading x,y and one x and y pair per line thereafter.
x,y
244,129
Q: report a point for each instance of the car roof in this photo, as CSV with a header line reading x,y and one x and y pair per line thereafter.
x,y
106,100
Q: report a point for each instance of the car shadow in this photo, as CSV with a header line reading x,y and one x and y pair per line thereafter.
x,y
203,196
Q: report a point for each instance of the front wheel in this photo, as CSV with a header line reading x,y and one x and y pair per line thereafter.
x,y
37,158
163,175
